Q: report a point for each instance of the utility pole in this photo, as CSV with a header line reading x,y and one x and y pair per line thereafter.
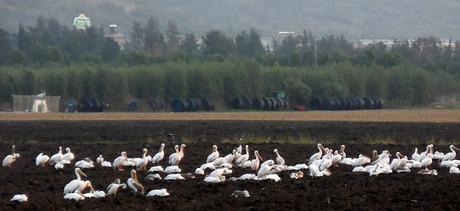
x,y
314,38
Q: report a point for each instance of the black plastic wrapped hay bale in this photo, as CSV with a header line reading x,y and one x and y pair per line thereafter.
x,y
369,103
247,103
155,105
179,105
207,104
258,104
317,104
133,105
379,104
267,103
72,105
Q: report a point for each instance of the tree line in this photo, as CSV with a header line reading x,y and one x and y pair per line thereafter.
x,y
166,64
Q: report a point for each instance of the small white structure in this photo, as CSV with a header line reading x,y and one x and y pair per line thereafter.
x,y
36,103
40,103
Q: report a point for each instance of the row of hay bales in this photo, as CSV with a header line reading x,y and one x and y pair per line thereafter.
x,y
266,103
153,104
86,104
191,104
340,103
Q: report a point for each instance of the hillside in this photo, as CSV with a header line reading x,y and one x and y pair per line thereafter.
x,y
353,18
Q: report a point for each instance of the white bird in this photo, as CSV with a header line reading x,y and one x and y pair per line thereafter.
x,y
175,160
326,163
274,177
360,161
336,158
78,183
248,177
279,159
451,155
396,163
255,162
243,158
96,194
428,160
176,149
230,157
211,166
172,169
414,164
359,169
448,164
156,169
129,162
212,179
41,159
153,177
239,193
317,155
438,155
157,158
11,158
174,177
58,166
296,175
68,155
158,192
217,162
265,169
118,162
100,160
199,171
113,187
141,163
239,149
214,155
56,158
134,184
454,170
315,172
424,153
84,164
415,155
219,172
20,198
77,196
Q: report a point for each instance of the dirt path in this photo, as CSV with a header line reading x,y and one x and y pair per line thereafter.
x,y
436,116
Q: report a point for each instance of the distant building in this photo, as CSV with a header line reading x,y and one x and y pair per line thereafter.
x,y
118,37
389,43
81,22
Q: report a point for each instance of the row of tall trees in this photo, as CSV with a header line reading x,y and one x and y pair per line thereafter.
x,y
223,81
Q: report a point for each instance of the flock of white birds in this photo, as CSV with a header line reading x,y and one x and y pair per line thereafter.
x,y
318,165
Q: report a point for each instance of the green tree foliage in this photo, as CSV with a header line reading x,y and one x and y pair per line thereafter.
x,y
74,63
110,50
217,44
153,38
189,45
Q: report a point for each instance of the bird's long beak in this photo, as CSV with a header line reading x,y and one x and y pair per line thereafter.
x,y
260,157
456,148
90,186
139,186
82,173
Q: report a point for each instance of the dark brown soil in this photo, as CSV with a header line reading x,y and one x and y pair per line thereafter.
x,y
342,190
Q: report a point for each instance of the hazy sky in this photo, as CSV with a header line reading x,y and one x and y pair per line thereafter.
x,y
353,18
